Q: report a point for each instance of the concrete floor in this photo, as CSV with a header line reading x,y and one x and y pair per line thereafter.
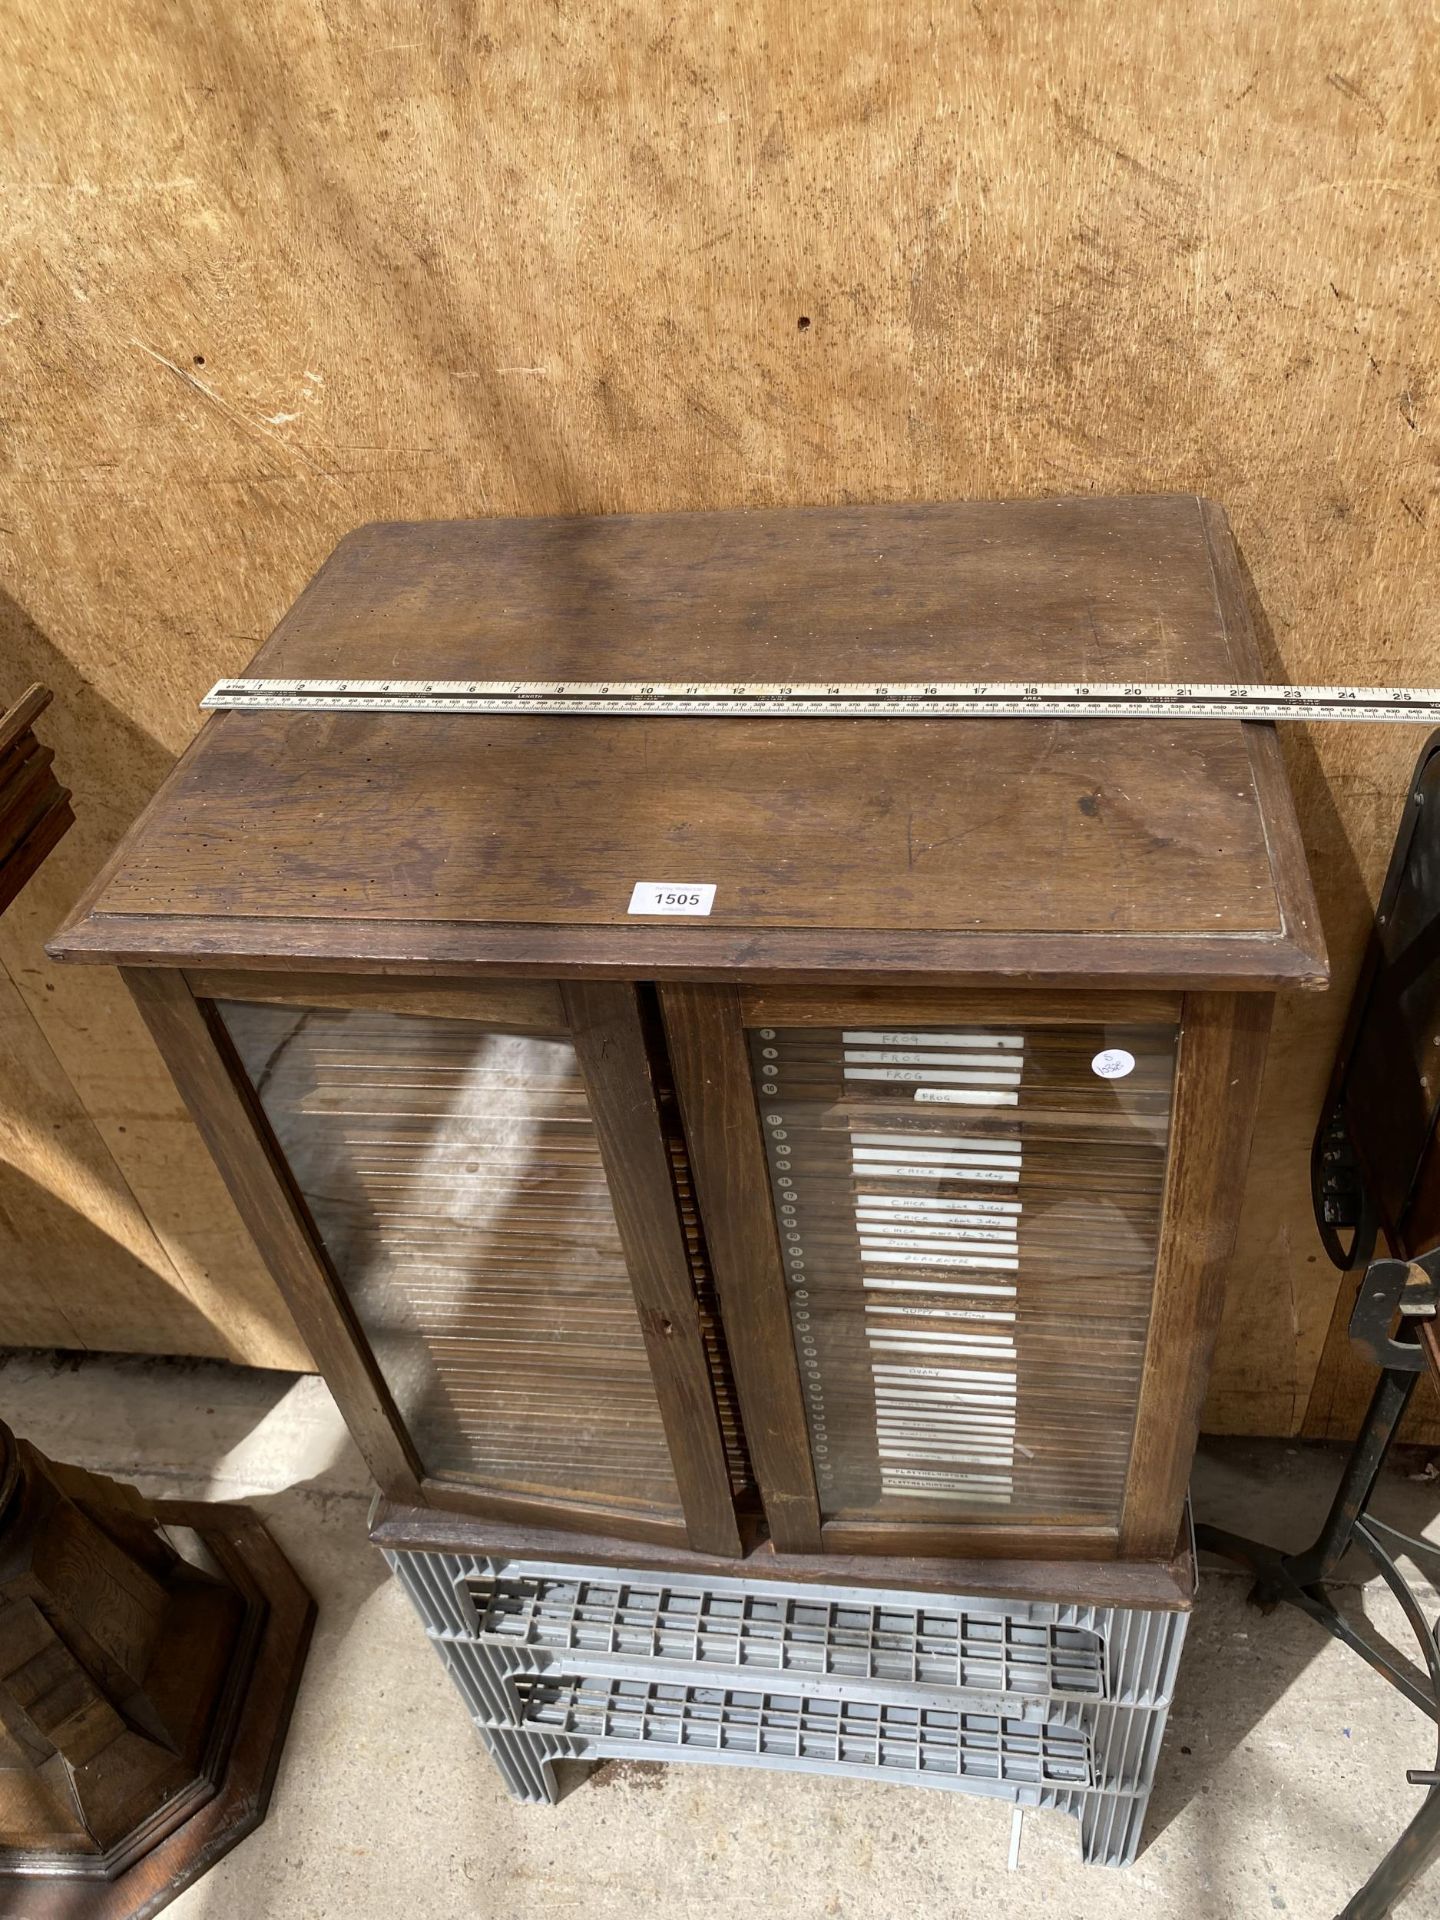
x,y
1282,1781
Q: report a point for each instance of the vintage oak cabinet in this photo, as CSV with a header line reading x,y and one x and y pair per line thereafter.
x,y
882,1210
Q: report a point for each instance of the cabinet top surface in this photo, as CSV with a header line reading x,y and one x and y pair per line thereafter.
x,y
1023,848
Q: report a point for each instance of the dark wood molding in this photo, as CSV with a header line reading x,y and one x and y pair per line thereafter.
x,y
835,1005
848,957
1166,1581
35,811
509,1006
972,1539
144,1703
605,1025
712,1080
1217,1090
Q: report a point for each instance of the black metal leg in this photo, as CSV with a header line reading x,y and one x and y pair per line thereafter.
x,y
1411,1854
1275,1584
1299,1579
1367,1456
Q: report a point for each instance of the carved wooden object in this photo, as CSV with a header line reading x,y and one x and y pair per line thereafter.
x,y
128,1675
144,1692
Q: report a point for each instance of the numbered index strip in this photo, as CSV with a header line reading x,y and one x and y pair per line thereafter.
x,y
778,1152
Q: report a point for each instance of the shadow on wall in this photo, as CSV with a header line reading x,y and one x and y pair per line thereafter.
x,y
52,1255
91,1071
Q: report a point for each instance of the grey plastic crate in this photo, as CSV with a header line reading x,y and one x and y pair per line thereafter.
x,y
592,1619
1038,1703
1110,1819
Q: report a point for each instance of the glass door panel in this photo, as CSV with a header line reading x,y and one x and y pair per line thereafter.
x,y
969,1220
454,1175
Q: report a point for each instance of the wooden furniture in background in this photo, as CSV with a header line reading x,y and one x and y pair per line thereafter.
x,y
144,1691
817,1216
34,807
144,1697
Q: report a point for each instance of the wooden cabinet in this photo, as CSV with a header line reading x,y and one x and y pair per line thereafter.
x,y
880,1210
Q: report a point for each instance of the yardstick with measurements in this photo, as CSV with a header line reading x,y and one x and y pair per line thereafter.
x,y
820,700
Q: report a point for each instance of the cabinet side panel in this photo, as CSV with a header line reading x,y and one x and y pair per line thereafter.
x,y
1222,1053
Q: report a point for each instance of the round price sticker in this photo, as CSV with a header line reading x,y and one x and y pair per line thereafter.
x,y
1113,1063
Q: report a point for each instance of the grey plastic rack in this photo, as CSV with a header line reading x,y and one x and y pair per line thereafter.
x,y
798,1726
845,1637
1038,1703
636,1622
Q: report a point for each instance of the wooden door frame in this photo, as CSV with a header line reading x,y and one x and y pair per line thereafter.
x,y
1221,1058
1220,1052
603,1020
711,1065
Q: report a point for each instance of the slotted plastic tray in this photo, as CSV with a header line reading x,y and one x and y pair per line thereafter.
x,y
593,1619
792,1633
1041,1704
622,1714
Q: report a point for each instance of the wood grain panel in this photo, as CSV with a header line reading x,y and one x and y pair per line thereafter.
x,y
717,1104
908,827
307,270
604,1023
521,1005
1222,1051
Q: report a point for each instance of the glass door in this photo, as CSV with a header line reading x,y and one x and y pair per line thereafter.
x,y
496,1181
966,1213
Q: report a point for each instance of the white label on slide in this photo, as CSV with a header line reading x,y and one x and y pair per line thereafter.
x,y
955,1097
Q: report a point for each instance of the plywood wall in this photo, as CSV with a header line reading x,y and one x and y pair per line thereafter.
x,y
272,270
